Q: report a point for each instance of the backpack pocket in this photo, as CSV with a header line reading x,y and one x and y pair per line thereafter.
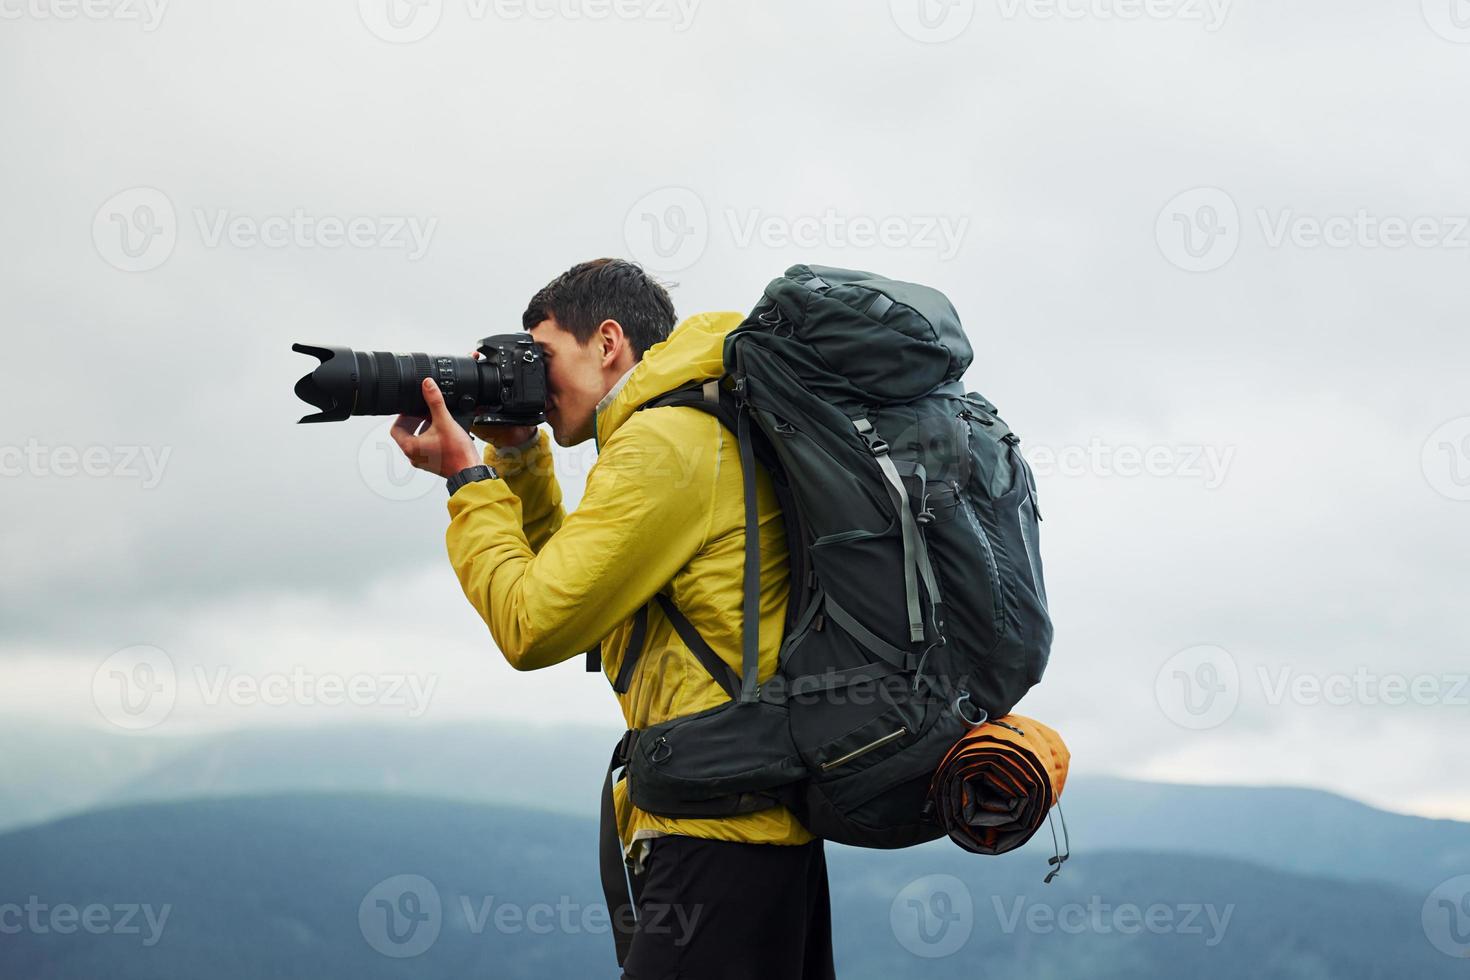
x,y
879,800
730,749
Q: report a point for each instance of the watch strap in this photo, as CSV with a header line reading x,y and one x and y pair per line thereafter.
x,y
470,474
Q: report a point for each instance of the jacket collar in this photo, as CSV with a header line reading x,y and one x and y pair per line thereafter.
x,y
613,391
694,351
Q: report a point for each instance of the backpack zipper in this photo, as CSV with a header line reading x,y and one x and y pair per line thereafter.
x,y
993,570
864,750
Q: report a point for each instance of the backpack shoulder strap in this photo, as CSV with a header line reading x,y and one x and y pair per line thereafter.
x,y
725,412
712,397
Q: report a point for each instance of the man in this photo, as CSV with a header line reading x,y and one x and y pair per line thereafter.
x,y
663,511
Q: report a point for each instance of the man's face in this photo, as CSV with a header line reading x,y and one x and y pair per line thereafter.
x,y
576,380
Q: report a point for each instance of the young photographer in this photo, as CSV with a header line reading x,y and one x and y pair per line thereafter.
x,y
739,897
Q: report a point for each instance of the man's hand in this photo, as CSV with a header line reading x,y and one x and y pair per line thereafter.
x,y
444,447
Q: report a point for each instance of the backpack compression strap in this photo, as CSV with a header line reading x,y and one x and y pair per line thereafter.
x,y
915,554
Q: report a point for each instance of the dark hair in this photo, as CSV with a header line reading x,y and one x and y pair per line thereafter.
x,y
605,289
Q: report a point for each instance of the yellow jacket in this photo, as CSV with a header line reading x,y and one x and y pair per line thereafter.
x,y
663,507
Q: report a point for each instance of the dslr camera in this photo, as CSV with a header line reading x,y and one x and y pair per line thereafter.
x,y
505,386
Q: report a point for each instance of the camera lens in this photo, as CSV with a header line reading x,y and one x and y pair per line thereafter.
x,y
508,384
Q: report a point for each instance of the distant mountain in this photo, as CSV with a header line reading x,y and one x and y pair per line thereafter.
x,y
47,771
561,769
313,887
271,887
1284,827
548,768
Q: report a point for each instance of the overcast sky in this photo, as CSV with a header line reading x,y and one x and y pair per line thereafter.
x,y
1213,258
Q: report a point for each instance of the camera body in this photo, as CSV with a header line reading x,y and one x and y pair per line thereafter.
x,y
506,386
521,368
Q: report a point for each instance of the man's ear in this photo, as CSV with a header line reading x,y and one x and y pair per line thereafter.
x,y
610,335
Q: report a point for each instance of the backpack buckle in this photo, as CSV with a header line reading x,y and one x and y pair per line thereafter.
x,y
623,751
865,430
980,716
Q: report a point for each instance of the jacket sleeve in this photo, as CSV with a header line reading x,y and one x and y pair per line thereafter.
x,y
645,513
529,471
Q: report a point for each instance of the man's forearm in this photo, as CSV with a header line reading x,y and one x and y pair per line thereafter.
x,y
529,472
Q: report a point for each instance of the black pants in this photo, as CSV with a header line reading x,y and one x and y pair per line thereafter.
x,y
718,910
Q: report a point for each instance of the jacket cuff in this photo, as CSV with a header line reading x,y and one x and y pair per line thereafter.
x,y
530,455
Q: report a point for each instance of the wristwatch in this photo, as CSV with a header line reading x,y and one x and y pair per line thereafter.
x,y
471,474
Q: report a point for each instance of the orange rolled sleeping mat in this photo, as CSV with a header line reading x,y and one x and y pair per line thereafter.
x,y
995,788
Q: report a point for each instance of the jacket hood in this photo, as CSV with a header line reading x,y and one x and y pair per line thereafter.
x,y
694,351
